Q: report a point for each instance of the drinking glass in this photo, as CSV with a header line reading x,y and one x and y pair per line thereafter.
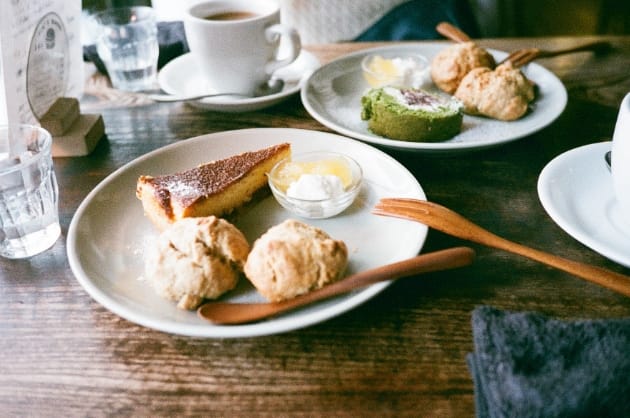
x,y
29,217
128,45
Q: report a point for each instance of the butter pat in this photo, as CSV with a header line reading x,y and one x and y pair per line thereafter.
x,y
61,116
81,138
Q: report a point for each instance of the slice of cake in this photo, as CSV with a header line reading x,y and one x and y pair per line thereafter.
x,y
214,188
411,114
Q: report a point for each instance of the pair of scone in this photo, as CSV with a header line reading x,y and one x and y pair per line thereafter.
x,y
201,256
471,75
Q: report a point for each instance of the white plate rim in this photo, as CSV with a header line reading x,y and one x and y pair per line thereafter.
x,y
590,157
276,325
170,72
429,147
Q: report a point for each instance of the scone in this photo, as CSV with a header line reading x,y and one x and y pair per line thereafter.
x,y
451,65
411,114
293,258
196,259
503,94
215,188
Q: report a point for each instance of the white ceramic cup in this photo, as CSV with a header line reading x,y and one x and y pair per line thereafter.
x,y
620,164
238,55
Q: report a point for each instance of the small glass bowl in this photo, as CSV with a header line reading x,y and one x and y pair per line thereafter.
x,y
395,69
319,162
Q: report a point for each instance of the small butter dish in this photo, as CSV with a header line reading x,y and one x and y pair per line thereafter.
x,y
395,69
316,185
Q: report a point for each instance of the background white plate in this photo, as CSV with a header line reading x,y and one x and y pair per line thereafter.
x,y
332,95
108,233
181,77
576,190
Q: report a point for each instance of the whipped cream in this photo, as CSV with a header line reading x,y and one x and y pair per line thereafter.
x,y
420,100
315,187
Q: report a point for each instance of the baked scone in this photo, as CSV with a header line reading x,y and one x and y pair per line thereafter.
x,y
196,259
293,258
411,114
451,65
504,93
215,188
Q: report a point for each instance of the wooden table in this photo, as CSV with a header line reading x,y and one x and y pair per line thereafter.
x,y
400,354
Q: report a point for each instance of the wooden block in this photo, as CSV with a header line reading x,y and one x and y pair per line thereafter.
x,y
61,116
81,138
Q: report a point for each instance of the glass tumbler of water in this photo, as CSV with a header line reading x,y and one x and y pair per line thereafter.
x,y
128,45
29,217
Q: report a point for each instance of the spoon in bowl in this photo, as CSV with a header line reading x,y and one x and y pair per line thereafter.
x,y
272,86
239,313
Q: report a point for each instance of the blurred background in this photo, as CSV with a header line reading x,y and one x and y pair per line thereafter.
x,y
493,18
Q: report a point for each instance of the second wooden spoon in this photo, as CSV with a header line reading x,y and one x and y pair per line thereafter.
x,y
239,313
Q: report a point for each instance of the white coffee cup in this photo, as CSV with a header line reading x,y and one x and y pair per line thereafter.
x,y
235,43
620,164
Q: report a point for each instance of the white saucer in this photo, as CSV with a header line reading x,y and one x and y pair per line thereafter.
x,y
180,77
576,190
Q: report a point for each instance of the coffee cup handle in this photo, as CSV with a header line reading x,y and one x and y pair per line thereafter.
x,y
273,34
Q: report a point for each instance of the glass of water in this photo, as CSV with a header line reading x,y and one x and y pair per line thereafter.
x,y
29,216
128,45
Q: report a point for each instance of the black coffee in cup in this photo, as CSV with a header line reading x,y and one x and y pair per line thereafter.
x,y
234,15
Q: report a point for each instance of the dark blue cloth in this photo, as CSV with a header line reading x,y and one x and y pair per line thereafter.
x,y
529,365
417,19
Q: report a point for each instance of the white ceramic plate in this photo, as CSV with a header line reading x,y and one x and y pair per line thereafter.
x,y
108,233
332,95
576,190
180,77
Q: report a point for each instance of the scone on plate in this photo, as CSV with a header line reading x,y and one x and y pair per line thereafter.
x,y
215,188
411,114
196,259
504,93
451,65
293,258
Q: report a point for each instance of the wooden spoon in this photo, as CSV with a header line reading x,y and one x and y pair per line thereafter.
x,y
452,32
239,313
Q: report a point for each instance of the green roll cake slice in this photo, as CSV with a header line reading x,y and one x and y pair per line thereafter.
x,y
411,114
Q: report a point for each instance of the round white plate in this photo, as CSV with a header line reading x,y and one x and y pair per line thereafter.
x,y
575,189
180,77
332,95
109,231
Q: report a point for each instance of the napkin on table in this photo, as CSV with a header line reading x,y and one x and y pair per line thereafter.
x,y
529,365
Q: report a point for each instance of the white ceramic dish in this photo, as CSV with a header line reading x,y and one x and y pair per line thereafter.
x,y
332,95
180,77
576,190
109,232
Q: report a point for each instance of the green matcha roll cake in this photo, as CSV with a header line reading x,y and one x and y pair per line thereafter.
x,y
411,114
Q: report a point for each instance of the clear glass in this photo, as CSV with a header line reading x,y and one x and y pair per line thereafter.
x,y
128,45
29,216
395,69
289,170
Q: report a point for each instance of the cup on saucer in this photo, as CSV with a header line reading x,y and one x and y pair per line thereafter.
x,y
236,43
620,163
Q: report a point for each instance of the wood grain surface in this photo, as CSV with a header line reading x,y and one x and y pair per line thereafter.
x,y
400,354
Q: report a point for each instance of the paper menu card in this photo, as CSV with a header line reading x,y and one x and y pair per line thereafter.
x,y
41,57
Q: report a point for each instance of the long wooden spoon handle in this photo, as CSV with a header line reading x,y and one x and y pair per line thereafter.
x,y
452,32
239,313
597,46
